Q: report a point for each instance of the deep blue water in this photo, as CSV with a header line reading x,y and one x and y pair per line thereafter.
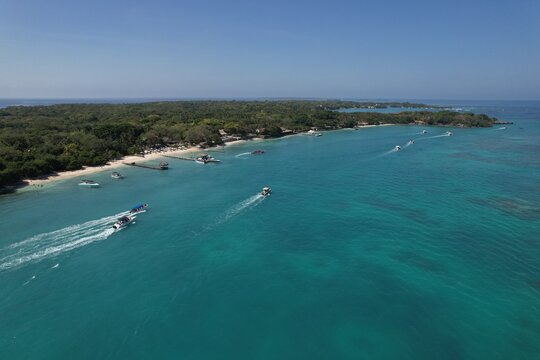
x,y
432,252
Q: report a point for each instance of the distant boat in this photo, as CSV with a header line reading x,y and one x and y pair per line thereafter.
x,y
88,183
410,142
205,159
313,133
449,133
266,191
397,148
138,208
257,152
123,221
424,131
117,175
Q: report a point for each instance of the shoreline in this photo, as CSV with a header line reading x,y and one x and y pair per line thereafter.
x,y
30,184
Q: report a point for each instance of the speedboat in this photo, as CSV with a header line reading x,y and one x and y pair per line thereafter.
x,y
88,183
266,191
117,175
138,208
123,221
449,133
424,131
397,148
257,152
410,142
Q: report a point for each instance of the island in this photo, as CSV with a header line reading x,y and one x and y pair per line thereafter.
x,y
40,140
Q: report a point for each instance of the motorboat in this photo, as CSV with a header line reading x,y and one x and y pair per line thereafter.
x,y
424,131
205,159
117,175
88,183
123,221
397,148
266,191
138,208
163,165
410,142
257,152
313,133
449,133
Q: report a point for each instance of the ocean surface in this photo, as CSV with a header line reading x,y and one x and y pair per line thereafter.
x,y
360,252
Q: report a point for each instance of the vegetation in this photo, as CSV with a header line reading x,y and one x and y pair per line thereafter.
x,y
39,140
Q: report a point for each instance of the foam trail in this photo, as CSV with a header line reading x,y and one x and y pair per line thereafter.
x,y
251,201
32,278
46,245
501,128
433,137
55,266
243,154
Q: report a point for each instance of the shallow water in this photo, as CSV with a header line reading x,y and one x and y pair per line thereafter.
x,y
360,252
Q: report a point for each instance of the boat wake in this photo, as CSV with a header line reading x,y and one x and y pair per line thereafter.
x,y
242,154
247,203
47,245
501,128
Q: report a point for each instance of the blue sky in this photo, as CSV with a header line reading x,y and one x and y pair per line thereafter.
x,y
354,49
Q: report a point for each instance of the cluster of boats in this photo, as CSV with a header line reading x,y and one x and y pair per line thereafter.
x,y
93,184
127,219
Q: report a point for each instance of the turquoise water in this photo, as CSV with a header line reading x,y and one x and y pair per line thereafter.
x,y
432,252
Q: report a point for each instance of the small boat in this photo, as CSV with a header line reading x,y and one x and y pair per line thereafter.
x,y
449,133
266,191
313,133
138,208
88,183
424,131
397,148
257,152
117,175
123,221
205,159
410,142
163,165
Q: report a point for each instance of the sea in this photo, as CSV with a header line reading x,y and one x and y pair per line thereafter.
x,y
359,252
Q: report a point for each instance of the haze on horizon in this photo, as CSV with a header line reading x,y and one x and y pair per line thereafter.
x,y
351,49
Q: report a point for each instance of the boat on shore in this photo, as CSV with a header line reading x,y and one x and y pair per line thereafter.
x,y
88,183
117,175
266,191
123,221
138,208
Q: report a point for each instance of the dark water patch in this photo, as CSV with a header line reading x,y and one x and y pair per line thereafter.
x,y
419,261
414,214
522,209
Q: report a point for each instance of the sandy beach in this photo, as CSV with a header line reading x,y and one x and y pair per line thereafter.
x,y
114,164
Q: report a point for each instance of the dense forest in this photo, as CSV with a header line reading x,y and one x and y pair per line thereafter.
x,y
39,140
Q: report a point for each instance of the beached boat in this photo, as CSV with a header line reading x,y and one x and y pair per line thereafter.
x,y
266,191
138,208
117,175
123,221
88,183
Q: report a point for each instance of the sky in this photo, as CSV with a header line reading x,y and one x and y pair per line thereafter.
x,y
310,49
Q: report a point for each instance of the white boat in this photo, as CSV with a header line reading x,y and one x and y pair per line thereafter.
x,y
123,221
88,183
410,142
424,131
117,175
266,191
205,159
313,133
449,133
397,148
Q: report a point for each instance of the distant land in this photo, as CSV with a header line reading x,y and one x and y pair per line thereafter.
x,y
39,140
